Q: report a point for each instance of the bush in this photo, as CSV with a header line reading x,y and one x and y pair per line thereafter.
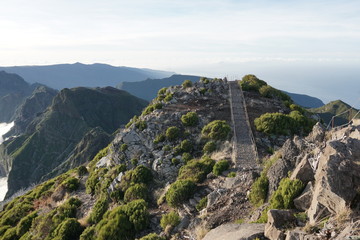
x,y
202,204
138,214
168,97
10,234
204,80
220,166
187,84
190,119
186,157
159,138
283,197
186,146
25,224
88,233
134,161
270,92
259,190
231,175
175,161
141,125
137,191
179,191
152,236
172,133
140,174
251,83
71,184
98,210
81,171
123,147
67,230
209,147
170,219
196,170
216,130
295,107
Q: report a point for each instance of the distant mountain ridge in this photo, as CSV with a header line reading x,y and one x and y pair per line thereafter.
x,y
305,100
61,76
334,108
148,88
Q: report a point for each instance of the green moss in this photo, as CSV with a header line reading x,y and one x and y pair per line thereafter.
x,y
170,219
216,130
190,119
220,166
180,191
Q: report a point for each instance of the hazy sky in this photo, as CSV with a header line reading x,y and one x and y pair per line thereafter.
x,y
303,46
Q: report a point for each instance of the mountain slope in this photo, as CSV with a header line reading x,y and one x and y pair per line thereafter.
x,y
335,108
53,136
148,88
13,91
305,100
74,75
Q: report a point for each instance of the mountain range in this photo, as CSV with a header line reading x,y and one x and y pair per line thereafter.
x,y
61,76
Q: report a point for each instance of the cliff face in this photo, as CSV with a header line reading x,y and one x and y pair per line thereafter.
x,y
52,137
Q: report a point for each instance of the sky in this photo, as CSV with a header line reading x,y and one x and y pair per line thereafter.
x,y
308,46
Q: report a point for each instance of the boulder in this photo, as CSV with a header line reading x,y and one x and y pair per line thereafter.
x,y
337,175
236,232
297,234
303,171
303,202
278,171
317,134
278,220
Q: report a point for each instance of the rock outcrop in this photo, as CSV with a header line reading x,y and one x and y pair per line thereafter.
x,y
236,232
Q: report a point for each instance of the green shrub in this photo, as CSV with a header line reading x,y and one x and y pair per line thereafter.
x,y
186,146
170,219
117,195
283,197
186,157
202,91
202,204
3,229
152,236
140,174
115,227
137,191
93,180
220,166
71,184
177,150
98,210
138,214
187,84
123,147
159,138
25,224
81,171
270,92
162,91
88,233
149,109
204,80
175,161
10,234
172,133
168,97
259,190
133,120
134,161
295,107
13,215
251,83
180,191
141,125
216,130
196,170
209,147
67,230
231,174
190,119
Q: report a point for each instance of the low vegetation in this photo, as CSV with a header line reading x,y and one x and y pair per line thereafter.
x,y
220,166
196,169
180,191
190,119
170,219
216,130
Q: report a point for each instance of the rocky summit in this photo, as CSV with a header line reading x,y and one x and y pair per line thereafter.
x,y
206,160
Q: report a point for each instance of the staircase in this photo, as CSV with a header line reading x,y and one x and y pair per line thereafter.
x,y
244,147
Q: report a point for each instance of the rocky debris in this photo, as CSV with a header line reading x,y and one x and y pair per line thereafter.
x,y
278,221
236,232
303,171
298,234
303,202
317,134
